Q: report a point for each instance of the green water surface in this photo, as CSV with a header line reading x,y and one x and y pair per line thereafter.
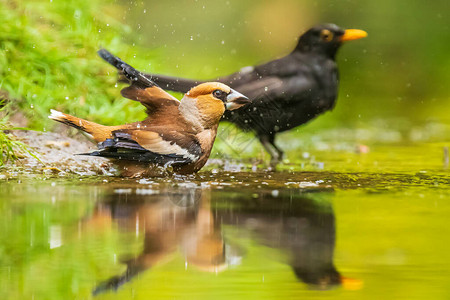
x,y
222,235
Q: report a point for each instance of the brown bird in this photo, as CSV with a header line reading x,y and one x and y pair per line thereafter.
x,y
177,136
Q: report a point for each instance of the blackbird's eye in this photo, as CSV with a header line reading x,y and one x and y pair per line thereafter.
x,y
219,94
326,35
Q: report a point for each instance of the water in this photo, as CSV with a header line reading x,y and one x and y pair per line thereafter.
x,y
227,235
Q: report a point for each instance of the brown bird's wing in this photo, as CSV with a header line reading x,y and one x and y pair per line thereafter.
x,y
158,146
141,88
153,98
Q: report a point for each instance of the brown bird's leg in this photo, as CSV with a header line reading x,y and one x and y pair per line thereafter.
x,y
268,142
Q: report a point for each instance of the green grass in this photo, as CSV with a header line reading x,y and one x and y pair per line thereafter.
x,y
49,60
10,148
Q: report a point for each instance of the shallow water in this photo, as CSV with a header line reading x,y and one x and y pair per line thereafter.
x,y
241,235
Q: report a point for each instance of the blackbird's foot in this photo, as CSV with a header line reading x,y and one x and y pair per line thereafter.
x,y
276,155
273,164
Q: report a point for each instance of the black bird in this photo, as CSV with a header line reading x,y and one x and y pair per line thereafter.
x,y
285,92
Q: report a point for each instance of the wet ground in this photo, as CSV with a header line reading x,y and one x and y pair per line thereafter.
x,y
346,220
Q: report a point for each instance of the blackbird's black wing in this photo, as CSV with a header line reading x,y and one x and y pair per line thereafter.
x,y
286,78
285,93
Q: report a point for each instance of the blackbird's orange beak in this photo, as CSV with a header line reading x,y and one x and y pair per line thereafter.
x,y
353,34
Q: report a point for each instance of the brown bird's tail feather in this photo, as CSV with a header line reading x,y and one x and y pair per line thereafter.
x,y
98,132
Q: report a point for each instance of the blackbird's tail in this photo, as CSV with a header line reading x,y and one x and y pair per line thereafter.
x,y
132,75
111,59
127,72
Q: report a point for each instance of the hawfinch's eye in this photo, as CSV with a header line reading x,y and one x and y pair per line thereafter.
x,y
219,94
326,35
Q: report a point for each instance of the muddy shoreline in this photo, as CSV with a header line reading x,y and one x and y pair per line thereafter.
x,y
57,155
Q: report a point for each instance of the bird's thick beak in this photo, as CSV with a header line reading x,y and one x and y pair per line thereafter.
x,y
236,100
353,34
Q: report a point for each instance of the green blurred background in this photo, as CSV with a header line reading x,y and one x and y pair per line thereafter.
x,y
395,79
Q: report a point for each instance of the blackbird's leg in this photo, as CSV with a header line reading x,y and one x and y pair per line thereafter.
x,y
279,151
275,153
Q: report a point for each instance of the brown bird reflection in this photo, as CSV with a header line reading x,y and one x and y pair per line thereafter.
x,y
182,219
170,220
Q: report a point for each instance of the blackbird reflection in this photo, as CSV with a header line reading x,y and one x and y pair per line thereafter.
x,y
301,223
182,219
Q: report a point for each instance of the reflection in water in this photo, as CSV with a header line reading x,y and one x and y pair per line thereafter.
x,y
298,223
